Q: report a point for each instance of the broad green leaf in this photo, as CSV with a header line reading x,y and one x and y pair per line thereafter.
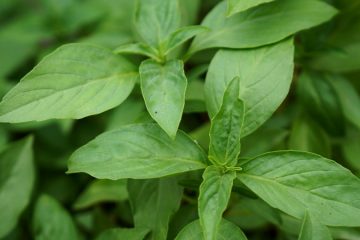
x,y
137,151
52,221
313,230
182,35
123,233
75,81
102,191
227,231
138,48
348,97
321,101
155,20
235,6
308,136
298,181
153,203
215,191
16,182
163,87
260,26
265,77
225,131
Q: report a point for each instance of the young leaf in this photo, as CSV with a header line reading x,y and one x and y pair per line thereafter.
x,y
235,6
137,151
138,48
298,181
163,88
102,191
313,230
16,182
75,81
182,35
242,30
265,77
57,225
155,20
123,233
227,231
153,203
214,195
225,130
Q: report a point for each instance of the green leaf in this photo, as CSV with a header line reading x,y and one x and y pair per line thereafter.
x,y
321,101
102,191
298,181
225,131
308,136
138,48
137,151
235,6
52,221
265,77
155,20
227,231
16,182
214,195
75,81
182,35
348,97
351,148
259,26
123,233
153,203
163,87
312,229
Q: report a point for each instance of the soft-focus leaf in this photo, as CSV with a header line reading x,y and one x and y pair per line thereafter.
x,y
52,221
214,195
155,20
320,99
348,97
313,230
75,81
137,151
227,231
163,87
102,191
153,203
123,233
235,6
265,77
298,181
308,136
225,131
16,182
259,26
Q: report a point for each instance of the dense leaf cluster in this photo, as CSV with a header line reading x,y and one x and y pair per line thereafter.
x,y
182,119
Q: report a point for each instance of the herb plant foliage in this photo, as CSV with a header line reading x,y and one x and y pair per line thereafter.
x,y
186,176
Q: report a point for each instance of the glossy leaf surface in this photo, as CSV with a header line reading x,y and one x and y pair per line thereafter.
x,y
298,181
137,151
75,81
265,77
